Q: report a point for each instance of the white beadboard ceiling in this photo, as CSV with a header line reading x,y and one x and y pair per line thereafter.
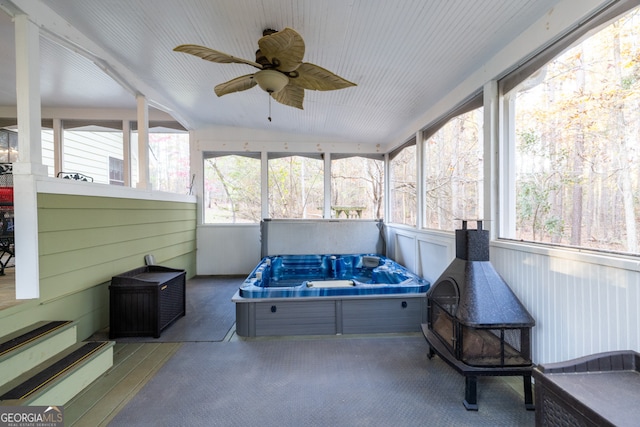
x,y
404,55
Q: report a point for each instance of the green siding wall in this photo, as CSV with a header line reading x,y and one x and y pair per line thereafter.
x,y
85,240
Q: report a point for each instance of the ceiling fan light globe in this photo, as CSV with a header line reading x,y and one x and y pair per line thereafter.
x,y
271,81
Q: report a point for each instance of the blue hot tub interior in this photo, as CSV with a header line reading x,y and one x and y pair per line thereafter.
x,y
327,275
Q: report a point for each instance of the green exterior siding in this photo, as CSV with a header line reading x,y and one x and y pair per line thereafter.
x,y
85,240
89,239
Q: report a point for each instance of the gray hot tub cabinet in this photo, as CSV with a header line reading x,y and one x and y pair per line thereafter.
x,y
329,315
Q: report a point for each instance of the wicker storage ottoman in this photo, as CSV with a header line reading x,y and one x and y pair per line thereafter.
x,y
146,300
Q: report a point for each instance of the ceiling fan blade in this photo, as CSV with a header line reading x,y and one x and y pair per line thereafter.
x,y
235,85
314,77
292,96
284,49
213,55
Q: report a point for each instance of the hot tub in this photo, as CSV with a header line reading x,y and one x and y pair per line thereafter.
x,y
329,294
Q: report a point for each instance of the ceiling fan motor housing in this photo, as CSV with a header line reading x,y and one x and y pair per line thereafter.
x,y
271,81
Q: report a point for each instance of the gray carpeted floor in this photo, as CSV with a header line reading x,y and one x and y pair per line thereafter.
x,y
336,381
210,312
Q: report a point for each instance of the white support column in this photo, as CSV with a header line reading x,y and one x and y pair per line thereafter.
x,y
326,210
507,167
29,166
264,183
196,176
420,205
143,143
387,188
126,152
387,201
28,93
58,147
491,159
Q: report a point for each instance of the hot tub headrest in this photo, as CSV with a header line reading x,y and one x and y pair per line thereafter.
x,y
370,261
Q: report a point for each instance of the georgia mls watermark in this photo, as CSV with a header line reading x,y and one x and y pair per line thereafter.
x,y
31,416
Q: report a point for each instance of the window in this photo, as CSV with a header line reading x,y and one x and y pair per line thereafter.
x,y
576,127
232,189
47,151
296,186
8,146
453,172
169,162
403,202
134,155
116,171
357,187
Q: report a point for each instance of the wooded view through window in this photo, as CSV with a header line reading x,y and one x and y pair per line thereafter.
x,y
357,188
453,172
403,196
169,162
296,187
232,189
577,126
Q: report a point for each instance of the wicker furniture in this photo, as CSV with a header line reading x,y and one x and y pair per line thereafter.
x,y
146,300
598,390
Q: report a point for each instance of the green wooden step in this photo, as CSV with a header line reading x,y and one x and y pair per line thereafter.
x,y
60,378
26,348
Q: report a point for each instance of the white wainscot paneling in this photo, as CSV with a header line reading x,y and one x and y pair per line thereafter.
x,y
425,252
228,249
405,250
582,303
434,257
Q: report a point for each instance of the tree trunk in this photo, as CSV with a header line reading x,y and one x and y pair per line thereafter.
x,y
226,190
625,173
577,164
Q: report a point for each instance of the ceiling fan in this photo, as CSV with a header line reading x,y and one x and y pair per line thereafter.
x,y
282,74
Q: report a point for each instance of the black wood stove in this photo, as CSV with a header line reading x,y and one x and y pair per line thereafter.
x,y
475,322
